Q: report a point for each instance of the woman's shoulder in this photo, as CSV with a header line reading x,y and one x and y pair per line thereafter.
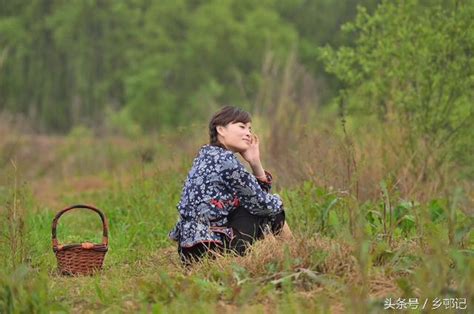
x,y
215,151
218,155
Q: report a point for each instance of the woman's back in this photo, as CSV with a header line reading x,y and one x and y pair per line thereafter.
x,y
206,194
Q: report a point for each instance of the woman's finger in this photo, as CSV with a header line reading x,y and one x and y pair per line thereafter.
x,y
256,140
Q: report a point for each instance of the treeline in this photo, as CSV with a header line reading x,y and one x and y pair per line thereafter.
x,y
155,63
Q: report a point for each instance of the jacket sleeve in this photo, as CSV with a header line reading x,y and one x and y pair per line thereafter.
x,y
251,193
266,183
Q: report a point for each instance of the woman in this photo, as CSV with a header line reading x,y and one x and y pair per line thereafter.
x,y
222,205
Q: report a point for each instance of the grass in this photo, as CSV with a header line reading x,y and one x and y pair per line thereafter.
x,y
348,254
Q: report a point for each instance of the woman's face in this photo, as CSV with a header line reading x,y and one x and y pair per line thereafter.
x,y
236,136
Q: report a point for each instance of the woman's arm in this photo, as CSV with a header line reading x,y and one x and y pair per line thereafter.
x,y
257,169
252,156
250,193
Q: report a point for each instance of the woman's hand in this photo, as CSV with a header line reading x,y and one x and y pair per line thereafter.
x,y
252,156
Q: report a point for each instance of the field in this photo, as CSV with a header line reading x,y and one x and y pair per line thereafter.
x,y
364,109
359,246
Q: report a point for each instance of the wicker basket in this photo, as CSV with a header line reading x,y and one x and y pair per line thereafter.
x,y
83,258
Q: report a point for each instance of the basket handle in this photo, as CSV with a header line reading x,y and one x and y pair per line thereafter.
x,y
105,228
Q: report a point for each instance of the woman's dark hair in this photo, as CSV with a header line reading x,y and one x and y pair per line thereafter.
x,y
226,115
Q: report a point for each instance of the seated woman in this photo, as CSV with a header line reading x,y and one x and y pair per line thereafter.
x,y
223,206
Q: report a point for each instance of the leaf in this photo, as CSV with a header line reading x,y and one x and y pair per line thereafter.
x,y
333,219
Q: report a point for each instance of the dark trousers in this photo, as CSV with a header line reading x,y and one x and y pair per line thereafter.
x,y
247,229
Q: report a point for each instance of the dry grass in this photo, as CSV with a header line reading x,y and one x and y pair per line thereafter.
x,y
304,142
381,286
317,267
301,259
321,155
338,261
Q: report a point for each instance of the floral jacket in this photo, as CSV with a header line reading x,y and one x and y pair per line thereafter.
x,y
217,184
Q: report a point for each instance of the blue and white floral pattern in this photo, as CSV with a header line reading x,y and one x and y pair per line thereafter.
x,y
217,184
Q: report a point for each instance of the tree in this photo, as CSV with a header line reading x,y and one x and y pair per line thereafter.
x,y
195,56
63,60
413,63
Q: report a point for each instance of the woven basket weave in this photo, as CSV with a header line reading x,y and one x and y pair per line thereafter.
x,y
80,258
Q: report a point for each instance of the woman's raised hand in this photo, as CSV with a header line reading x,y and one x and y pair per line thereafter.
x,y
252,154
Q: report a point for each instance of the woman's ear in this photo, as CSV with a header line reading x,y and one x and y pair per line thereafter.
x,y
220,130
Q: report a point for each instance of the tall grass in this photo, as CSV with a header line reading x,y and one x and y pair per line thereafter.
x,y
306,142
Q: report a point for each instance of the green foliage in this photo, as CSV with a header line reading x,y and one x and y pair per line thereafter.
x,y
316,210
207,55
57,73
65,63
122,123
71,61
15,200
318,23
24,291
412,64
